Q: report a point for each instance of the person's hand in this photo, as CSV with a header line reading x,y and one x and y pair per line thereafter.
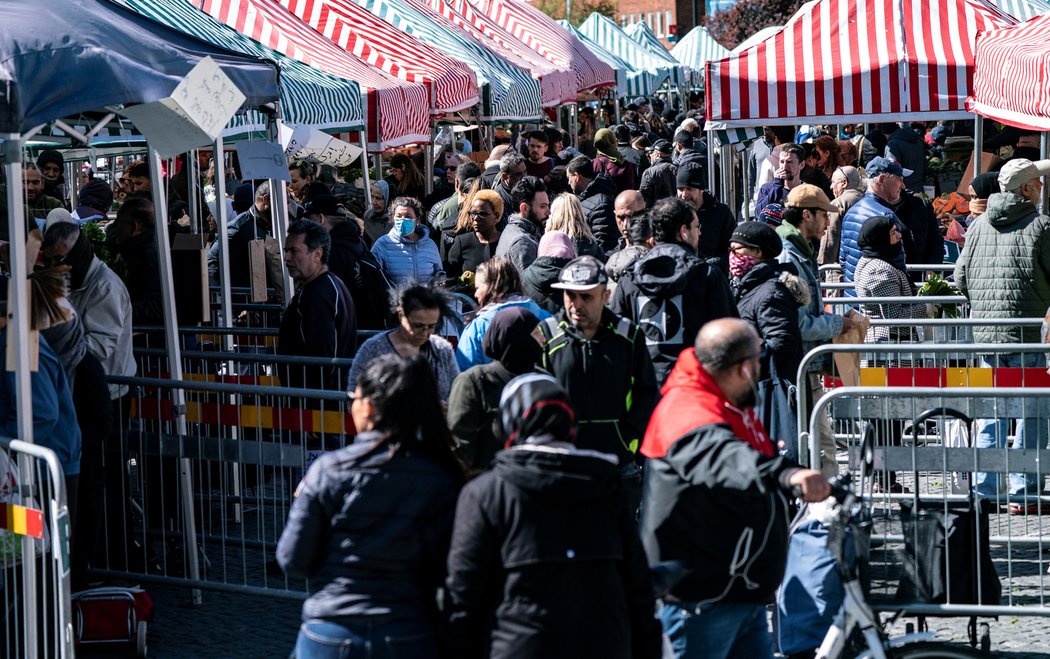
x,y
812,484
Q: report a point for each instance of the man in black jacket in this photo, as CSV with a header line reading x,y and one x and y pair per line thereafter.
x,y
715,497
658,181
602,361
716,220
671,292
134,235
597,193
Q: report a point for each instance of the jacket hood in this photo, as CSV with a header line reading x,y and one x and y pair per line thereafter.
x,y
544,267
791,236
1005,208
906,134
558,472
601,184
665,269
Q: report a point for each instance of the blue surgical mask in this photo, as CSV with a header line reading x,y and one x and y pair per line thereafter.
x,y
405,226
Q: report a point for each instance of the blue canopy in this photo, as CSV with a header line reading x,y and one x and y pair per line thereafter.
x,y
58,59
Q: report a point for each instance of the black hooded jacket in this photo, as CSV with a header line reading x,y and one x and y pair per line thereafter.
x,y
546,563
143,279
597,200
717,225
672,293
537,281
768,297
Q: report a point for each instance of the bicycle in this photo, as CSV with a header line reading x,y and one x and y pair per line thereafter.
x,y
857,630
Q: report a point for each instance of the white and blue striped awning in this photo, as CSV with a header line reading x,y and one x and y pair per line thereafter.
x,y
696,49
1023,10
509,92
644,36
308,96
611,37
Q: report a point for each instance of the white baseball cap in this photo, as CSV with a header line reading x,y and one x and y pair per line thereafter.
x,y
1019,171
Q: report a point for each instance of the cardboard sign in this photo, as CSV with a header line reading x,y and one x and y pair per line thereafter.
x,y
309,144
195,113
262,160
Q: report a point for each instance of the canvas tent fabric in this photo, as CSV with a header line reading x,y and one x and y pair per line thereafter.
x,y
627,77
696,49
541,33
453,85
557,85
1009,82
134,60
757,37
854,60
509,92
1023,10
308,96
644,36
396,111
610,36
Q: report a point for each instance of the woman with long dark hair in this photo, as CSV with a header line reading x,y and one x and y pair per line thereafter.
x,y
371,522
406,177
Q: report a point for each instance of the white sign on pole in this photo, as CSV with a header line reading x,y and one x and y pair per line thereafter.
x,y
195,113
309,144
262,160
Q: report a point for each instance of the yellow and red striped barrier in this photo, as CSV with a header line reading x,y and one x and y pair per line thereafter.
x,y
948,377
21,520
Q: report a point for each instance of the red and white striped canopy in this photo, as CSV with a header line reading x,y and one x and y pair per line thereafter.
x,y
541,33
854,60
397,111
453,84
1009,80
557,85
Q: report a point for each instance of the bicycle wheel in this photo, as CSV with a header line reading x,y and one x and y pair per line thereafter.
x,y
935,650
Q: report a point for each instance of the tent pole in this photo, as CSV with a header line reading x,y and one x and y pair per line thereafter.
x,y
18,337
745,166
1044,148
378,158
193,177
429,154
710,161
978,141
279,214
171,323
364,168
616,104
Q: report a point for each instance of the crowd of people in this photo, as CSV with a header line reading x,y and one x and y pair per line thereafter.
x,y
617,407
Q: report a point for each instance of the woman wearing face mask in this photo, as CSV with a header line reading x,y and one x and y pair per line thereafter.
x,y
418,310
513,342
498,286
370,523
768,295
406,252
377,218
546,561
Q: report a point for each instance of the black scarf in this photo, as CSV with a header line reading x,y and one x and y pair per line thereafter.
x,y
873,239
508,340
79,260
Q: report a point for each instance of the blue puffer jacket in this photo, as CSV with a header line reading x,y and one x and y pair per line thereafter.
x,y
469,351
849,253
402,259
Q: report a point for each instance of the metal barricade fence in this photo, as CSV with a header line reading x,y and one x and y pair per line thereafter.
x,y
978,546
224,489
35,534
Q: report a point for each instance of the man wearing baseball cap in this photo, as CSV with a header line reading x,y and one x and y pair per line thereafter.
x,y
602,361
1004,269
885,187
658,181
716,220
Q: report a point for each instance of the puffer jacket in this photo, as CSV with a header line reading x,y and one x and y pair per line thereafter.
x,y
403,260
815,326
469,351
714,492
1004,268
104,306
906,147
370,530
520,241
769,297
538,279
658,182
546,562
597,200
868,207
671,293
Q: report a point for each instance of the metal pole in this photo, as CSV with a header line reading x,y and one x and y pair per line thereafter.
x,y
710,161
1044,148
193,199
171,335
279,227
18,336
364,168
616,104
978,141
378,165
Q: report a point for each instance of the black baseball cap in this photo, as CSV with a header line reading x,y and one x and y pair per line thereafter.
x,y
663,146
581,274
324,204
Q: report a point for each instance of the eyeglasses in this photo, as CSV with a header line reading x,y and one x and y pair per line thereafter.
x,y
450,168
478,214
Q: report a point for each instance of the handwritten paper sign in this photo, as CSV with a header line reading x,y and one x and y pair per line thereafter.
x,y
262,160
195,113
309,144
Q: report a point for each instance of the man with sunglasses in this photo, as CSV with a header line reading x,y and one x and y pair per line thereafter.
x,y
715,497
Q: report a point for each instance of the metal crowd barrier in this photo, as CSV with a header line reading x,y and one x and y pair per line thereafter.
x,y
35,532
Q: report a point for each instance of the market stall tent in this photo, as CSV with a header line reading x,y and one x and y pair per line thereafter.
x,y
611,36
1010,81
696,49
453,85
842,61
1023,10
644,36
544,35
629,80
757,37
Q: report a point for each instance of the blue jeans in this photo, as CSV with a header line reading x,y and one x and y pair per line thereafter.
x,y
323,639
717,631
1031,434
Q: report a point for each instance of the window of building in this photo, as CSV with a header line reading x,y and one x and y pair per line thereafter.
x,y
659,27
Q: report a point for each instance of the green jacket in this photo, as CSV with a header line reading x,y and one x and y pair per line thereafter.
x,y
1004,269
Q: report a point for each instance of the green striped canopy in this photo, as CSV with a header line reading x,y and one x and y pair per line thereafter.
x,y
630,81
308,97
611,36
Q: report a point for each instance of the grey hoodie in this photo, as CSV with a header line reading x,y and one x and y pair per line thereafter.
x,y
520,241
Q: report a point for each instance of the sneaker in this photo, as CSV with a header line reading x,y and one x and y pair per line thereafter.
x,y
1028,508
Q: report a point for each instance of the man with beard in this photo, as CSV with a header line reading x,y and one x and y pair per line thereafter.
x,y
713,482
520,241
716,220
539,164
39,203
511,170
